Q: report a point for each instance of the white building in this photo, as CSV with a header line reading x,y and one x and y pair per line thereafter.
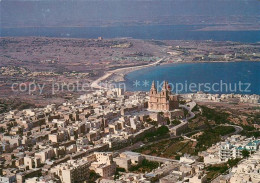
x,y
72,171
228,150
248,170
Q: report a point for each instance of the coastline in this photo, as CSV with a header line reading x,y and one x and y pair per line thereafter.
x,y
96,84
123,71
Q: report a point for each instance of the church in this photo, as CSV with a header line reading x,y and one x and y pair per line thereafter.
x,y
162,101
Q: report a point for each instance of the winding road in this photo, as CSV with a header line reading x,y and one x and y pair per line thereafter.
x,y
189,109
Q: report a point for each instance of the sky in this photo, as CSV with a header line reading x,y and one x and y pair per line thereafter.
x,y
86,12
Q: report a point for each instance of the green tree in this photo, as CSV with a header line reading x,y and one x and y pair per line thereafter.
x,y
245,153
162,130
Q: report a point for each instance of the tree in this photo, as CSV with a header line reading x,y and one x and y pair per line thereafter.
x,y
245,153
233,162
93,176
168,121
162,130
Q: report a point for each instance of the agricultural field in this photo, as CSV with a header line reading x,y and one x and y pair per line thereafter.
x,y
177,147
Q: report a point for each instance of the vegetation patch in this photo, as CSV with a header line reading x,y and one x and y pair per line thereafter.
x,y
246,133
117,173
215,170
217,116
159,133
93,176
195,109
175,122
212,136
169,148
11,104
145,166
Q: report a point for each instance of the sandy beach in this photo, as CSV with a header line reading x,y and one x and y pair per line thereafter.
x,y
122,71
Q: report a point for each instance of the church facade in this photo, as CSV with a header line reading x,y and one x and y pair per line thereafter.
x,y
163,100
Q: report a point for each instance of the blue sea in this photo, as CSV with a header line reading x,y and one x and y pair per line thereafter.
x,y
216,77
158,32
227,75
